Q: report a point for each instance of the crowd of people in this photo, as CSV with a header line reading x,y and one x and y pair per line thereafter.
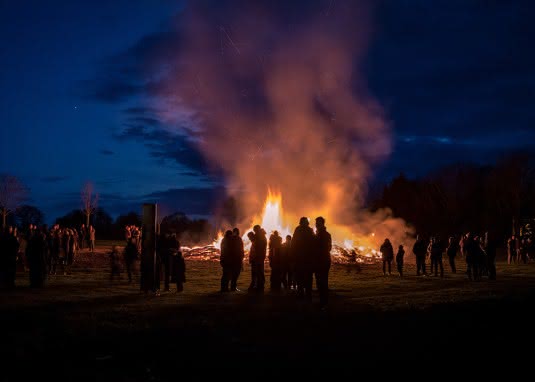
x,y
478,251
42,251
293,260
293,263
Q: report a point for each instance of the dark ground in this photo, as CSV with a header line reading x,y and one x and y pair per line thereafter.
x,y
82,327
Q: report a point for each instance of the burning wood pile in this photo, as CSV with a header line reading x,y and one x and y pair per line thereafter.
x,y
272,220
339,255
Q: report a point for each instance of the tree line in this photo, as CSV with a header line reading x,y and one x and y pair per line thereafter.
x,y
464,198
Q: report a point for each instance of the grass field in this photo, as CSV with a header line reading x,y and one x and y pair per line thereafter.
x,y
84,327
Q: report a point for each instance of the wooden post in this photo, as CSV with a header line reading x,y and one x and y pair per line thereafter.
x,y
148,248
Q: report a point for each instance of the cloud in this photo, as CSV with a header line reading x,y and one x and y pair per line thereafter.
x,y
106,152
165,145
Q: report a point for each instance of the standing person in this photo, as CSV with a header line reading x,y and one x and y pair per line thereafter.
x,y
436,256
69,256
399,259
420,249
252,262
166,248
451,251
9,248
225,260
512,249
131,254
260,244
471,251
302,247
36,256
83,236
92,239
179,270
236,259
288,264
387,253
322,263
115,266
275,261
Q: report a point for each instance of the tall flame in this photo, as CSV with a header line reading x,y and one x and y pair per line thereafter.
x,y
272,215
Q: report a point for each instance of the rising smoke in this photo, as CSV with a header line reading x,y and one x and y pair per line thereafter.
x,y
275,98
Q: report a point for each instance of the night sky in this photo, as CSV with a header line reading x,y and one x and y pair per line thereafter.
x,y
456,80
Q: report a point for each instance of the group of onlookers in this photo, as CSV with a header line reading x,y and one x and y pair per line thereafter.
x,y
293,262
41,251
479,252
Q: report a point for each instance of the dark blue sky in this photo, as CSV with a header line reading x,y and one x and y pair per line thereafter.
x,y
456,80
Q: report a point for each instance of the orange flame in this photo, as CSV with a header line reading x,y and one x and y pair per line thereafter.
x,y
273,219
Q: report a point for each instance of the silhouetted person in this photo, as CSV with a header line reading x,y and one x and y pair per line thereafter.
x,y
302,249
92,238
225,260
481,257
252,260
83,236
275,261
237,255
512,250
420,249
163,253
436,256
387,253
131,254
260,248
178,271
471,250
399,260
288,264
9,247
115,266
36,256
69,255
451,251
322,262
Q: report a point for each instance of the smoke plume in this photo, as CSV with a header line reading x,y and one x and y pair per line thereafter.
x,y
273,95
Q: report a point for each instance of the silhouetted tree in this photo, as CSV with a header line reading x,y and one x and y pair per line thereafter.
x,y
131,218
74,219
89,201
463,197
177,222
12,194
26,215
190,231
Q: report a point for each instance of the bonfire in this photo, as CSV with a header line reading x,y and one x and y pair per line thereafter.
x,y
344,250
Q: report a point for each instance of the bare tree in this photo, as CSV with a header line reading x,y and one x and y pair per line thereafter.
x,y
89,201
12,193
